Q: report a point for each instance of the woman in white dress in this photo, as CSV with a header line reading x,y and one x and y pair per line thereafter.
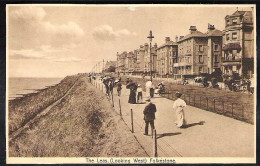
x,y
148,86
178,107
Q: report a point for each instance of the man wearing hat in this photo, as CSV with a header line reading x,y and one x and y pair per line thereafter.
x,y
178,107
149,115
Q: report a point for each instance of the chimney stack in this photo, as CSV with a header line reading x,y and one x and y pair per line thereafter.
x,y
146,46
181,37
167,39
193,29
155,45
176,38
210,27
141,46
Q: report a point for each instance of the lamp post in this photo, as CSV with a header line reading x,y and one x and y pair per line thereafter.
x,y
151,38
117,55
103,65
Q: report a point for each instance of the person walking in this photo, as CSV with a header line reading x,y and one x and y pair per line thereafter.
x,y
139,94
178,107
111,86
149,115
105,82
149,89
132,96
119,88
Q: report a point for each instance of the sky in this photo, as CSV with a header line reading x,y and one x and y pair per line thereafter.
x,y
61,40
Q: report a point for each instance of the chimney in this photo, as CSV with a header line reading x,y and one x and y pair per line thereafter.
x,y
210,27
167,39
193,29
155,45
141,46
146,46
181,37
176,38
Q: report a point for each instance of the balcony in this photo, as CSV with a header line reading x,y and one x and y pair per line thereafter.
x,y
216,64
181,64
232,61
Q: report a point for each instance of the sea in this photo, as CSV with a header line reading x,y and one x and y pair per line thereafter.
x,y
19,86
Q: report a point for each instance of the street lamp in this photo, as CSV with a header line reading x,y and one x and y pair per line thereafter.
x,y
151,38
117,57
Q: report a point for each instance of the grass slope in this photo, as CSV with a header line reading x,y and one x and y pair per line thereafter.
x,y
21,110
82,124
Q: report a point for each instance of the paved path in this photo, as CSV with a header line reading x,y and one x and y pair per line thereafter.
x,y
219,136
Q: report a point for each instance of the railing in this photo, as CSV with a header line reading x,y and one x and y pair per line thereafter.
x,y
181,64
234,110
232,60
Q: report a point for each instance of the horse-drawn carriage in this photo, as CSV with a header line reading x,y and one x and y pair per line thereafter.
x,y
237,84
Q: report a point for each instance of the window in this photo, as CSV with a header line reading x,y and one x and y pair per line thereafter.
x,y
188,59
227,36
234,21
201,58
227,22
234,52
188,49
216,47
216,58
201,48
234,35
200,69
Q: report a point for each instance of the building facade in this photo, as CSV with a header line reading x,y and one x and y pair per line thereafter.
x,y
192,54
214,49
166,54
121,62
238,44
140,59
130,62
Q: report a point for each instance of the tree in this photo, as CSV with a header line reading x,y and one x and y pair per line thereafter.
x,y
111,69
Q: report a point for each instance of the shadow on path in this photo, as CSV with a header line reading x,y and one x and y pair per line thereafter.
x,y
193,124
141,103
167,134
157,97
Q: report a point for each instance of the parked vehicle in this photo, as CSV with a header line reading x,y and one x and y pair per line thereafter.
x,y
185,82
198,79
161,87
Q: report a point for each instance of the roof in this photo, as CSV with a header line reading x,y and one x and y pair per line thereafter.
x,y
169,43
231,46
238,13
214,32
193,34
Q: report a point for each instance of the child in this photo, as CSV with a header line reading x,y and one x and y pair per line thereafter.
x,y
139,94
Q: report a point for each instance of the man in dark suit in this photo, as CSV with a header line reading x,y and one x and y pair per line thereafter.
x,y
149,115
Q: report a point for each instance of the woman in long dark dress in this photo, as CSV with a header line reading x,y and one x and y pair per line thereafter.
x,y
132,96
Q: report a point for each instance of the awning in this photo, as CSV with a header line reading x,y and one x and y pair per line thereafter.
x,y
231,46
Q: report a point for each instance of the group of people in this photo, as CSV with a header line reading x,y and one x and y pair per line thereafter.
x,y
110,83
136,96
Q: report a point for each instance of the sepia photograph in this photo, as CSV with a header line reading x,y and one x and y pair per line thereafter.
x,y
130,84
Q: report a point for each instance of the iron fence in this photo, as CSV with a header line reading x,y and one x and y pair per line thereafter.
x,y
233,110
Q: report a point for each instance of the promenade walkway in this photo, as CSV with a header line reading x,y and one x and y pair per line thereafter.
x,y
207,134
